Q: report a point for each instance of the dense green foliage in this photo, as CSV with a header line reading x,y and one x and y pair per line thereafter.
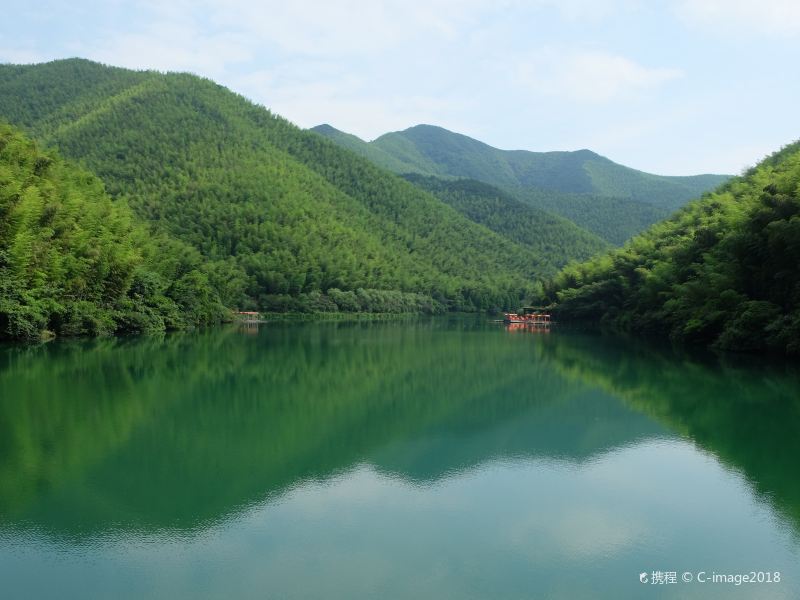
x,y
607,199
546,234
281,214
615,220
725,270
72,262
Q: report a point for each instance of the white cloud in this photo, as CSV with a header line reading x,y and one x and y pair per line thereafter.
x,y
312,93
19,56
735,157
589,76
771,17
18,53
211,36
341,27
590,10
172,46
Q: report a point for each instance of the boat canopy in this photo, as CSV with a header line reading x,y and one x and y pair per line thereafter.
x,y
526,310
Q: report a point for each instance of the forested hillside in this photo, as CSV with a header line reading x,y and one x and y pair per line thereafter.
x,y
605,198
724,271
72,262
615,220
542,232
282,215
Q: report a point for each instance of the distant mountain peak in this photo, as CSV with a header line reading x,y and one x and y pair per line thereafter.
x,y
429,127
325,128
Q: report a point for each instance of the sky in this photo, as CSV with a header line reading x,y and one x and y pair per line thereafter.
x,y
673,87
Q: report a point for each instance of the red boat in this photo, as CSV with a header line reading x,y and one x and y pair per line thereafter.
x,y
529,315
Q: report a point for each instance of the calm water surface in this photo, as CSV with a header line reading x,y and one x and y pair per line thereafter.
x,y
436,459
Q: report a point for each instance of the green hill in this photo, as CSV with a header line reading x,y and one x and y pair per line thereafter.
x,y
282,215
362,148
538,230
724,271
72,262
615,220
608,199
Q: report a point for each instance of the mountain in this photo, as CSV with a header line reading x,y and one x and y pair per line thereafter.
x,y
72,262
589,189
282,216
441,152
723,271
547,232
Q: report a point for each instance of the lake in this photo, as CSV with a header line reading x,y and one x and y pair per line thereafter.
x,y
440,458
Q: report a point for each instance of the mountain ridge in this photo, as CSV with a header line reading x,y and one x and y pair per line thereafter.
x,y
424,131
560,182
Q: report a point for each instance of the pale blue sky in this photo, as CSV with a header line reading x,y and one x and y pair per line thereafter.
x,y
672,87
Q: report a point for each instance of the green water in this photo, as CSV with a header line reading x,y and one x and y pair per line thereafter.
x,y
447,458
